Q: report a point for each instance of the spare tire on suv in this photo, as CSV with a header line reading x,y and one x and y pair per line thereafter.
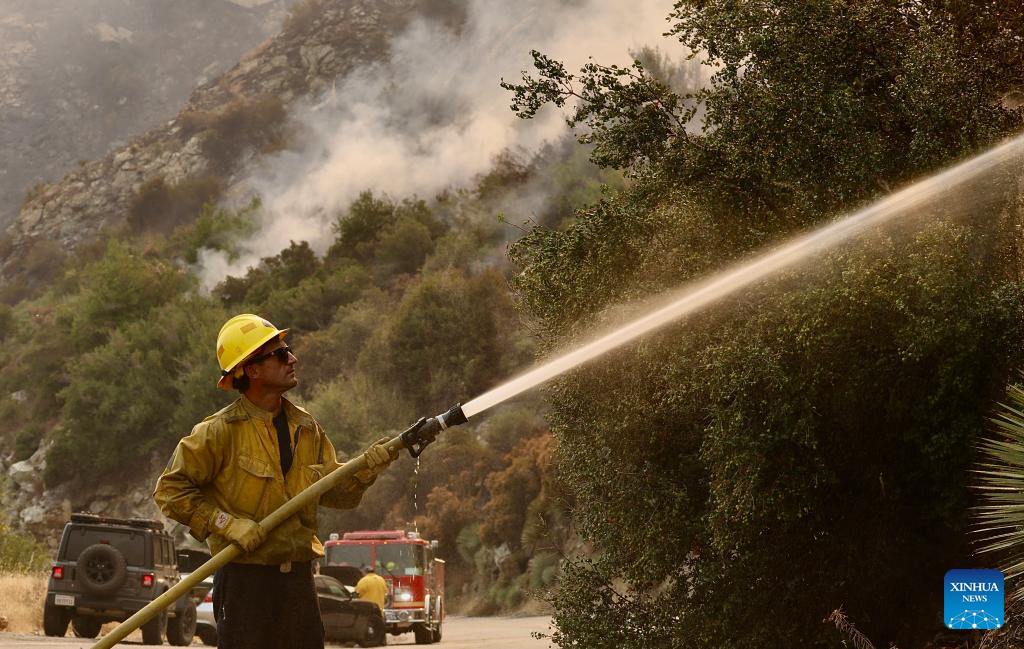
x,y
101,569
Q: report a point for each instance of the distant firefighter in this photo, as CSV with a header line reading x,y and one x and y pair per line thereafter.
x,y
372,588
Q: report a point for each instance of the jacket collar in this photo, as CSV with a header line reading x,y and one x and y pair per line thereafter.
x,y
242,408
254,411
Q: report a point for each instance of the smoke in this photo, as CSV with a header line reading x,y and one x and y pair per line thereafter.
x,y
433,115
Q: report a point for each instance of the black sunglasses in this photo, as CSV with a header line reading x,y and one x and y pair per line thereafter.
x,y
280,352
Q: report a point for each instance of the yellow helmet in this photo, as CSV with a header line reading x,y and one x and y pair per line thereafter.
x,y
238,339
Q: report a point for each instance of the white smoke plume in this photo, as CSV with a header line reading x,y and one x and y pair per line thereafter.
x,y
433,116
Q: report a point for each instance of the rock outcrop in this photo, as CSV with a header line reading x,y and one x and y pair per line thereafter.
x,y
317,45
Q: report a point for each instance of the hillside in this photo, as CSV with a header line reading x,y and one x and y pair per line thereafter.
x,y
398,303
78,79
224,122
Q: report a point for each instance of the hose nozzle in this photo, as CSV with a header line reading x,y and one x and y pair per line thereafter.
x,y
418,436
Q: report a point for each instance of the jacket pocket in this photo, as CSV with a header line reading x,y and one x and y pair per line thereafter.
x,y
313,472
251,484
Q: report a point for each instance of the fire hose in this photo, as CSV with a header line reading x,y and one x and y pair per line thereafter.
x,y
416,438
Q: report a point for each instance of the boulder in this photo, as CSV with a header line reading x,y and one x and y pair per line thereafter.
x,y
22,473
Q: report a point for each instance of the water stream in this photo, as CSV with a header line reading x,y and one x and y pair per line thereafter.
x,y
416,496
695,296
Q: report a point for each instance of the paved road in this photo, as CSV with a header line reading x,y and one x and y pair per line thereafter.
x,y
459,633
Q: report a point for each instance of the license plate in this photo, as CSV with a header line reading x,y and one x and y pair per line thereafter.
x,y
64,600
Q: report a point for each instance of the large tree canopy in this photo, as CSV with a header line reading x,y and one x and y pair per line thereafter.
x,y
803,447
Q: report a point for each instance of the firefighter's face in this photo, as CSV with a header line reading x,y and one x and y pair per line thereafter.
x,y
276,370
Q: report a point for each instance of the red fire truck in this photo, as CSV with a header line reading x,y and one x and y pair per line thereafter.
x,y
415,577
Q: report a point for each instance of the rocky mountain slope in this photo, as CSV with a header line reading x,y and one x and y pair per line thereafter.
x,y
226,121
78,78
225,124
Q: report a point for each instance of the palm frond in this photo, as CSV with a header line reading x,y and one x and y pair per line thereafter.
x,y
998,521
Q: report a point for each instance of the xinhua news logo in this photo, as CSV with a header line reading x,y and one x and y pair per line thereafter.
x,y
974,599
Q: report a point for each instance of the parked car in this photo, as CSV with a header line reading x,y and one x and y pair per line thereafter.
x,y
189,560
206,626
346,618
106,570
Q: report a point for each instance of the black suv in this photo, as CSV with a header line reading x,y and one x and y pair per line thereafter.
x,y
106,570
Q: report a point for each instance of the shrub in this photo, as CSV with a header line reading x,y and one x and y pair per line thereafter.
x,y
121,287
357,229
7,321
310,304
283,271
139,392
394,237
404,246
159,207
43,260
215,229
447,340
27,441
247,123
21,553
34,192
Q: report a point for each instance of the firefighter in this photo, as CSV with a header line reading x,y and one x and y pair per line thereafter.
x,y
239,465
372,588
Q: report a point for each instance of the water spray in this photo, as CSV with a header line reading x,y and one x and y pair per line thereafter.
x,y
671,309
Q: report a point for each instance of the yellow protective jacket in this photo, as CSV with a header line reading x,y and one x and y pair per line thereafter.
x,y
231,462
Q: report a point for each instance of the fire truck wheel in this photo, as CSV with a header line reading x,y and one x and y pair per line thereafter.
x,y
423,634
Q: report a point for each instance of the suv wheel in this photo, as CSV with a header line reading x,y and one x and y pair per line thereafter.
x,y
86,627
101,569
55,620
182,626
154,630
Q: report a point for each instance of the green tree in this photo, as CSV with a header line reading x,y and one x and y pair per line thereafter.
x,y
823,416
358,228
447,340
392,237
138,393
121,286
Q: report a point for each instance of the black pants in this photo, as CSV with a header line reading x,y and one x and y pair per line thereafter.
x,y
260,607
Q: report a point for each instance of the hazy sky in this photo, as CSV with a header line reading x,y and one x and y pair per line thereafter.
x,y
433,115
